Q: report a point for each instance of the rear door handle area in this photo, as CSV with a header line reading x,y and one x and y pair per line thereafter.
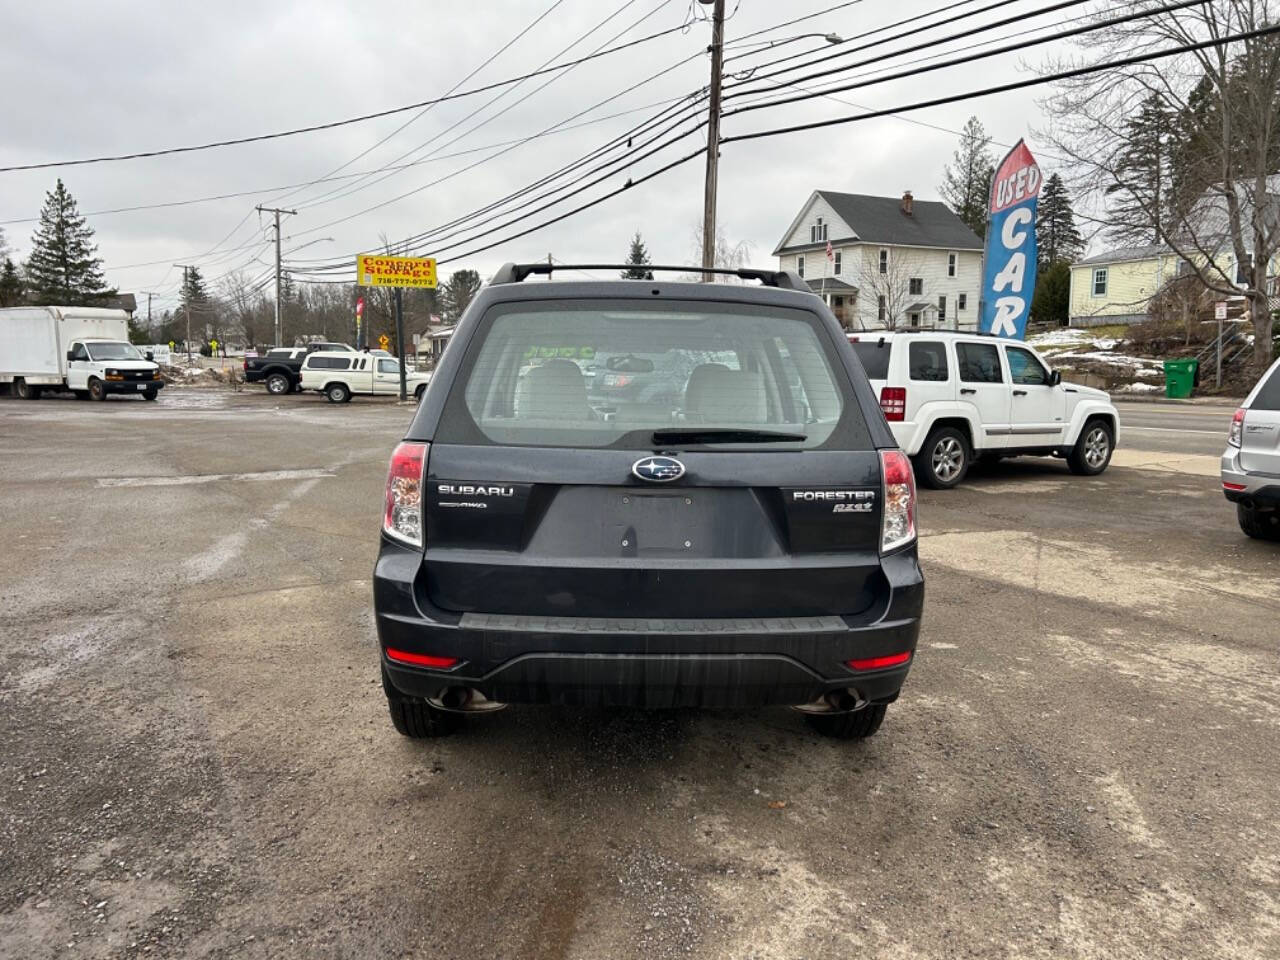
x,y
1019,393
968,390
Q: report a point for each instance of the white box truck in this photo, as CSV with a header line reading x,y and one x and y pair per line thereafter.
x,y
82,349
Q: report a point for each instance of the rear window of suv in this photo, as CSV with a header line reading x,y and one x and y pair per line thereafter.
x,y
1268,397
609,373
874,357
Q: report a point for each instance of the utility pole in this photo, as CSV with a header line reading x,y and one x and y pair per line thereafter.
x,y
713,139
187,303
277,211
149,296
404,393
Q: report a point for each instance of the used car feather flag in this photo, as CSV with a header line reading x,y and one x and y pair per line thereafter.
x,y
1009,265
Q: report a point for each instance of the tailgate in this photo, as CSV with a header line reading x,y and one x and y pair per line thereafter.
x,y
727,540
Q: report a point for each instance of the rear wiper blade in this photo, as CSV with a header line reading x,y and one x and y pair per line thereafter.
x,y
725,435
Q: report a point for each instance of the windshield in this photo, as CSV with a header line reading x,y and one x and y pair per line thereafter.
x,y
610,373
114,350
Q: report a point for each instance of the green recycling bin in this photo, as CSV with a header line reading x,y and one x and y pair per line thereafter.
x,y
1179,377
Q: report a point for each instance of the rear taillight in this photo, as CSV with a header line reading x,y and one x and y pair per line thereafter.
x,y
893,401
1237,427
898,519
403,516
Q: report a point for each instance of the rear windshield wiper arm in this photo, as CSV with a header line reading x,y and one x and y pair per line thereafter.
x,y
725,435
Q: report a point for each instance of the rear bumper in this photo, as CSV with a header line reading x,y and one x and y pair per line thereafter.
x,y
1241,486
642,662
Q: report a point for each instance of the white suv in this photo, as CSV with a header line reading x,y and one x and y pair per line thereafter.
x,y
339,374
950,397
1251,463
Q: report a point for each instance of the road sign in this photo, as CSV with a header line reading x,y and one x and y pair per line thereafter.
x,y
1220,310
384,341
172,344
375,271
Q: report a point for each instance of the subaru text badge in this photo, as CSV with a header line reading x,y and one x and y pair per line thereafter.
x,y
658,469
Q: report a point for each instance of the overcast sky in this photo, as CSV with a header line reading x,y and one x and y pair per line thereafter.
x,y
84,79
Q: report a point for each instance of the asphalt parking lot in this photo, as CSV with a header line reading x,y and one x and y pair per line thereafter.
x,y
198,760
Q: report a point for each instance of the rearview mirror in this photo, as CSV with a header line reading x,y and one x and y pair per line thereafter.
x,y
71,355
629,363
151,356
1055,378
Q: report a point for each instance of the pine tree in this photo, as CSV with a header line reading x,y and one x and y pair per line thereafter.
x,y
458,292
638,257
1052,299
1057,238
63,268
11,285
193,288
1139,197
966,181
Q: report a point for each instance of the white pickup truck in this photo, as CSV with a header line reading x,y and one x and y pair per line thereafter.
x,y
950,397
82,349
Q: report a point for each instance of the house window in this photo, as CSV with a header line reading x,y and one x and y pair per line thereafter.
x,y
1244,269
942,309
884,261
818,232
836,269
800,265
880,308
1100,282
951,264
1184,268
962,301
916,286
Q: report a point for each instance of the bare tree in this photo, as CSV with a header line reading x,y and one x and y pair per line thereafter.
x,y
901,285
728,256
1212,189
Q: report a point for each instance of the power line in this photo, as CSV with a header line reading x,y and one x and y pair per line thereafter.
x,y
344,192
971,31
425,110
970,57
1008,87
903,108
347,176
167,151
344,263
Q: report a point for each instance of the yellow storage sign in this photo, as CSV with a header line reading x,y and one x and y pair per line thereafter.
x,y
377,271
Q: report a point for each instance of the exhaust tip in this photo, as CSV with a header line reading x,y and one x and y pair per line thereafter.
x,y
460,699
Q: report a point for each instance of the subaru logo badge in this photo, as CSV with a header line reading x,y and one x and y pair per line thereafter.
x,y
658,469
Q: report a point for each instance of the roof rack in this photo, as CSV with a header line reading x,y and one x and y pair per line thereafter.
x,y
881,331
782,279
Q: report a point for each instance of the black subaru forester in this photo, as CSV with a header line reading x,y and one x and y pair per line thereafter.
x,y
743,534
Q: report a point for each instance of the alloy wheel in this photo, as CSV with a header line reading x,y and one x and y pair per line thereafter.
x,y
948,458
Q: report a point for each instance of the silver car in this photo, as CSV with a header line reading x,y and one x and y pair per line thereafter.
x,y
1251,463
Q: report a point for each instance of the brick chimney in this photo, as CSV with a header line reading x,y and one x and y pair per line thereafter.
x,y
907,202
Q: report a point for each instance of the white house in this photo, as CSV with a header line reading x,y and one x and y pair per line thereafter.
x,y
894,261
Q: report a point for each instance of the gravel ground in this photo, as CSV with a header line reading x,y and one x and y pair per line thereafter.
x,y
198,760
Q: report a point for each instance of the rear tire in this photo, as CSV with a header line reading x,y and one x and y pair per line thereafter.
x,y
849,726
278,384
337,393
415,718
1093,449
24,390
1259,524
944,459
97,390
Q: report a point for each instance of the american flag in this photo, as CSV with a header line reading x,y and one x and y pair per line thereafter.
x,y
830,255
